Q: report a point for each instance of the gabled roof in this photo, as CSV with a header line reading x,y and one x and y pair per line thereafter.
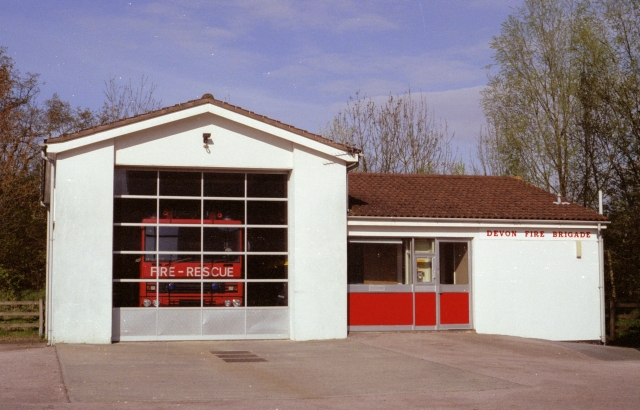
x,y
206,99
449,196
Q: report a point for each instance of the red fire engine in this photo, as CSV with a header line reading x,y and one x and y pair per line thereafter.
x,y
185,271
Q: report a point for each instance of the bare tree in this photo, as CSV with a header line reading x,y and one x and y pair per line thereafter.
x,y
401,135
127,100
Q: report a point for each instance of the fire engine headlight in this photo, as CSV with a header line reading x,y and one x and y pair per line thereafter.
x,y
236,302
227,303
146,303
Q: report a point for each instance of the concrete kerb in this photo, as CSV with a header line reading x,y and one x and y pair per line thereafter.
x,y
63,376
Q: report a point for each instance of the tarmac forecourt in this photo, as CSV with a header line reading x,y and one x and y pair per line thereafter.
x,y
367,370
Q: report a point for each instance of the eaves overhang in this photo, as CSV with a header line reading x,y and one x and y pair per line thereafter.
x,y
204,106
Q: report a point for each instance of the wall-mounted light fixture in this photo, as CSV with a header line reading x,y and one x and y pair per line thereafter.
x,y
205,140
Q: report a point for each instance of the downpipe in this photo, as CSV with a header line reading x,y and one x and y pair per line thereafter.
x,y
49,259
603,331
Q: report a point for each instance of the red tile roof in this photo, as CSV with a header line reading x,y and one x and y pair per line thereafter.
x,y
206,99
449,196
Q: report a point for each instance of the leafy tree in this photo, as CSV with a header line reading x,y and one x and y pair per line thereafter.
x,y
530,103
22,241
24,124
610,95
563,111
400,135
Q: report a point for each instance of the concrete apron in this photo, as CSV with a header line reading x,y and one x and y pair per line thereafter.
x,y
365,365
188,371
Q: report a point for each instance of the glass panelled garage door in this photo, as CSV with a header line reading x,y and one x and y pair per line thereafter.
x,y
199,255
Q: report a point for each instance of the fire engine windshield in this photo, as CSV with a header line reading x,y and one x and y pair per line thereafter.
x,y
175,238
221,240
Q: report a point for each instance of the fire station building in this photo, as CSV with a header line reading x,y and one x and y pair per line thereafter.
x,y
205,221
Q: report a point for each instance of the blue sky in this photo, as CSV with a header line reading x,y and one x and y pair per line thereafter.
x,y
295,61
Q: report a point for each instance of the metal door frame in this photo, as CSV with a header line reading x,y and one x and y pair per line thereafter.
x,y
436,287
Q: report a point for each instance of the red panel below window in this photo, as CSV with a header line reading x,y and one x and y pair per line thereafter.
x,y
454,308
380,309
425,309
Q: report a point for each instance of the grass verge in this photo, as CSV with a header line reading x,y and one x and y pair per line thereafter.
x,y
20,335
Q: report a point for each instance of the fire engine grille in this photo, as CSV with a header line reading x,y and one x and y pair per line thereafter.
x,y
180,287
185,287
237,356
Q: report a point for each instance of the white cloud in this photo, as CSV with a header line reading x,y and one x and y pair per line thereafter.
x,y
461,110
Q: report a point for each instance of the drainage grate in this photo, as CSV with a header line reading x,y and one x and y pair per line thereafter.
x,y
237,356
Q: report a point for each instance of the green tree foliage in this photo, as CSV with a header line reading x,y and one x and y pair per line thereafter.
x,y
563,112
610,93
22,239
24,124
530,103
400,135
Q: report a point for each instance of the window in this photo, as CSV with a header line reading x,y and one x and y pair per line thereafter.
x,y
454,263
388,261
379,262
199,239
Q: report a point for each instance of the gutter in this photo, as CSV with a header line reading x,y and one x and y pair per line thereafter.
x,y
371,220
353,165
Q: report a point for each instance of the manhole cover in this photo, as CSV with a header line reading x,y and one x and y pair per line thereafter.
x,y
237,356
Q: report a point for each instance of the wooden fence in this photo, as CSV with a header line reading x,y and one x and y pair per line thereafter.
x,y
39,314
615,313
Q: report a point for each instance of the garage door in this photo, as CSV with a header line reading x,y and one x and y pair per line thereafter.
x,y
199,255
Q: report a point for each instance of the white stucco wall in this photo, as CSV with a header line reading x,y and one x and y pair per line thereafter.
x,y
81,253
537,288
318,247
179,144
